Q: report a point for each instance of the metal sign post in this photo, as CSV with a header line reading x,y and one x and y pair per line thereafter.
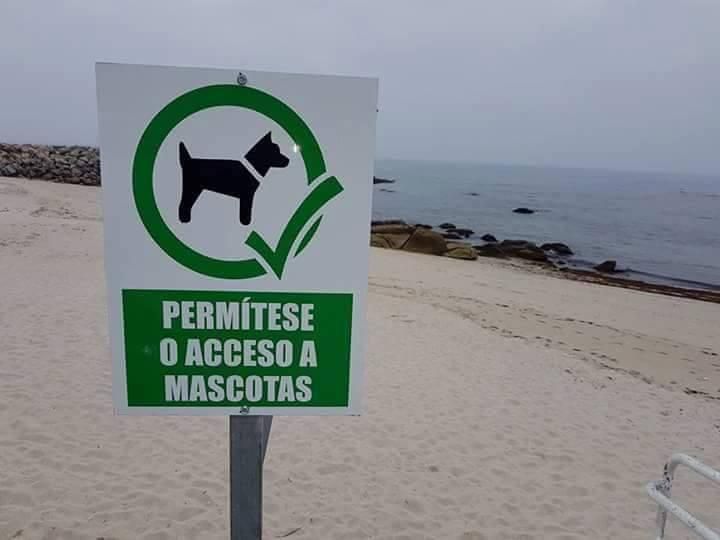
x,y
248,445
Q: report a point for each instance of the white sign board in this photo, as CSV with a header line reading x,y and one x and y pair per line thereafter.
x,y
237,215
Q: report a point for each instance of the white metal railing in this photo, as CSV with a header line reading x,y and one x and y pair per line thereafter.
x,y
660,493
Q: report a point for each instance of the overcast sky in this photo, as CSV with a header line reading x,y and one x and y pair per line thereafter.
x,y
631,84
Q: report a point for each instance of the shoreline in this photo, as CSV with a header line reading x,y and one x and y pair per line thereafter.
x,y
561,266
78,164
659,231
567,271
590,276
704,295
633,275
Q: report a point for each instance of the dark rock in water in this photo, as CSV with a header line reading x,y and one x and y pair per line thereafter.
x,y
465,233
608,267
524,210
446,226
423,226
488,238
450,235
424,241
378,180
557,247
489,250
473,194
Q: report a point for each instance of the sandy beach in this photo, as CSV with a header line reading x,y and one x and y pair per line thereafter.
x,y
500,403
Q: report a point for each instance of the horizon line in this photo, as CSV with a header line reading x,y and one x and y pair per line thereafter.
x,y
708,175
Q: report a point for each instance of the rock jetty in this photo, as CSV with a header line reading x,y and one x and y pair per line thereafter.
x,y
66,164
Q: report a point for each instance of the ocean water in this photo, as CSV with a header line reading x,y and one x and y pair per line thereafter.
x,y
659,227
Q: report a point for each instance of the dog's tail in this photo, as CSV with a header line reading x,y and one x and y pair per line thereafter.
x,y
184,155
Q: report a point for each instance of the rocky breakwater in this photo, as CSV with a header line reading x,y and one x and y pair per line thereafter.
x,y
67,164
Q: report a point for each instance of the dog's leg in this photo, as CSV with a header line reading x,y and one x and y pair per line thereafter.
x,y
190,194
246,204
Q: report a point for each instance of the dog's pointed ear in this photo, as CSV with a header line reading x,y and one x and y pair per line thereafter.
x,y
267,137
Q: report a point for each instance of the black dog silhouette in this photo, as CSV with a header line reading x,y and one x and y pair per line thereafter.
x,y
227,176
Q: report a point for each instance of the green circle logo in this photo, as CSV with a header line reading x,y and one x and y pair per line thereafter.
x,y
301,226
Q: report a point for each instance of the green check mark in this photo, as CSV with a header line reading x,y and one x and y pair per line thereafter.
x,y
276,258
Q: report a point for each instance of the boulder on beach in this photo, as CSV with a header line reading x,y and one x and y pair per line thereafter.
x,y
607,267
489,250
530,254
377,222
394,241
452,244
392,228
420,238
390,234
557,247
466,253
425,241
423,226
523,249
380,241
523,210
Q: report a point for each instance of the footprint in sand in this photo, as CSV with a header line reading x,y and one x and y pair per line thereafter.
x,y
472,535
61,212
11,189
